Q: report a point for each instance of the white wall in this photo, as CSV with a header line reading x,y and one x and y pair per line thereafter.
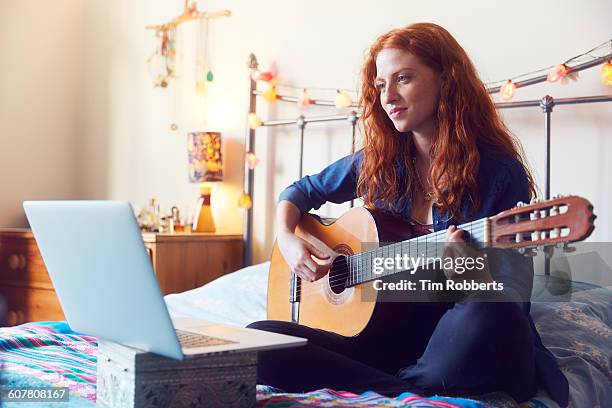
x,y
125,150
41,75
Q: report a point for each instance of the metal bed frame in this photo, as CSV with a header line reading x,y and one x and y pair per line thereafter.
x,y
547,104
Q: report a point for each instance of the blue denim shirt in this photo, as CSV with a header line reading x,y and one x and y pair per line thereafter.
x,y
502,182
501,179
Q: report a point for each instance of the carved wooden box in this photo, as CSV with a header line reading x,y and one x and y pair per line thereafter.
x,y
128,377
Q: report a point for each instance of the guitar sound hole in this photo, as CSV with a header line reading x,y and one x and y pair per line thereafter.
x,y
338,275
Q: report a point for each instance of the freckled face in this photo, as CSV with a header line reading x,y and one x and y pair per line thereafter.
x,y
409,90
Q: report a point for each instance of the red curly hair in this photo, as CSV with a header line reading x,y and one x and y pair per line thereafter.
x,y
465,120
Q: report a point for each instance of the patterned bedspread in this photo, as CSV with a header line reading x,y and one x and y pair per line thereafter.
x,y
578,333
50,353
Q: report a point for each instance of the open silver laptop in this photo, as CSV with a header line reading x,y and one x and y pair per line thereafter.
x,y
106,285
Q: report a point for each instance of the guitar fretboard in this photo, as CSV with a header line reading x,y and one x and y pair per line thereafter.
x,y
427,247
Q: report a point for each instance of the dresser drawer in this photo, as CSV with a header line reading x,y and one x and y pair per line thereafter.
x,y
30,305
22,265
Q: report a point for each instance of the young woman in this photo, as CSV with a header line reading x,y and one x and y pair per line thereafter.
x,y
436,153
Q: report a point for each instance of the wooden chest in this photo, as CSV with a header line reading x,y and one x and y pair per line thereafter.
x,y
128,377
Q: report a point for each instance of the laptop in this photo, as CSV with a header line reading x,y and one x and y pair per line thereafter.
x,y
106,285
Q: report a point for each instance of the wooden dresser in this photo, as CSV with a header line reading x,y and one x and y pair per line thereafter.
x,y
181,262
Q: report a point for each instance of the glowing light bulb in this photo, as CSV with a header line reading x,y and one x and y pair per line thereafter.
x,y
267,76
606,73
251,161
507,90
270,94
200,88
245,201
557,72
254,121
255,74
343,99
304,100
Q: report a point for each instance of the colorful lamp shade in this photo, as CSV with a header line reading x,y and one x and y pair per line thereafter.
x,y
205,161
205,166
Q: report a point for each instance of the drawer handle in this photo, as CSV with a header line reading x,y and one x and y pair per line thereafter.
x,y
17,261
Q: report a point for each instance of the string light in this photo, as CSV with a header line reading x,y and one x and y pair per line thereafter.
x,y
304,100
254,121
606,73
267,76
557,72
343,99
270,95
507,90
251,161
255,74
245,201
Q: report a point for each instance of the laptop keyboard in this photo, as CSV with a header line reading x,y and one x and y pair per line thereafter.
x,y
191,340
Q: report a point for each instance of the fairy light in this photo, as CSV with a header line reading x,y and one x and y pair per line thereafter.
x,y
507,90
606,73
267,76
251,161
557,72
304,100
270,94
255,74
343,99
254,121
245,201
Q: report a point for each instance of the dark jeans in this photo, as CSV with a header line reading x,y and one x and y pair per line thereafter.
x,y
466,348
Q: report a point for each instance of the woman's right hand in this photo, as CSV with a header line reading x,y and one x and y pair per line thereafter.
x,y
299,253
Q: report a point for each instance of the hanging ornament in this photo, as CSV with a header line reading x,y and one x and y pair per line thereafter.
x,y
343,99
245,201
305,100
507,90
270,95
209,76
162,64
254,121
606,73
251,161
174,127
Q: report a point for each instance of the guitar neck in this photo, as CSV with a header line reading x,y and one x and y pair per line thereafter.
x,y
364,266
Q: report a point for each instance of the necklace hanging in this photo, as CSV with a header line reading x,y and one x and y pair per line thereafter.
x,y
209,74
200,61
427,195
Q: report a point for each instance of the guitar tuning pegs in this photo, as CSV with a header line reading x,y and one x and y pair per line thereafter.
x,y
520,204
554,210
534,200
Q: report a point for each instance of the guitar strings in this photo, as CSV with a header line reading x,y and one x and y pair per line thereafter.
x,y
341,275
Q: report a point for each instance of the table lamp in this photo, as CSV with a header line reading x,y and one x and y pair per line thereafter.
x,y
205,166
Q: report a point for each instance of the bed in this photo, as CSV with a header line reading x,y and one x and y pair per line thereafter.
x,y
575,326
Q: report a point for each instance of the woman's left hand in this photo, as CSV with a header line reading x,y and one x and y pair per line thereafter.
x,y
457,247
454,234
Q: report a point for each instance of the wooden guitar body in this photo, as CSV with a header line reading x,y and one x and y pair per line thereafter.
x,y
346,313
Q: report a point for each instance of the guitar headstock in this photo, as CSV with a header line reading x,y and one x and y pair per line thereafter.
x,y
554,222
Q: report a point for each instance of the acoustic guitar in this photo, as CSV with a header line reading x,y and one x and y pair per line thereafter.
x,y
342,301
